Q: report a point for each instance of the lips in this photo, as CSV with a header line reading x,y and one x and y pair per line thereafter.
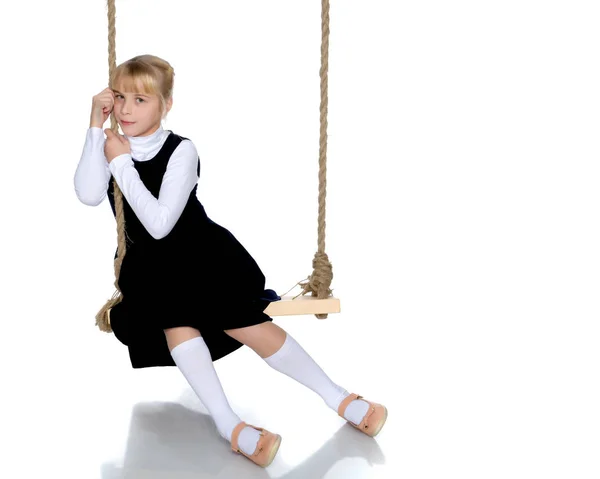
x,y
127,122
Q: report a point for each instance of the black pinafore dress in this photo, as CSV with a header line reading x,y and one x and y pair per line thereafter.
x,y
199,275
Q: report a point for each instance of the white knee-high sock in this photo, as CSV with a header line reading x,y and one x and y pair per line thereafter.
x,y
292,360
193,359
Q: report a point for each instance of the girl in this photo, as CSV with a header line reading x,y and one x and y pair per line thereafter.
x,y
179,262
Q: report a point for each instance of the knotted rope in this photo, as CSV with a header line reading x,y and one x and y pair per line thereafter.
x,y
102,315
318,283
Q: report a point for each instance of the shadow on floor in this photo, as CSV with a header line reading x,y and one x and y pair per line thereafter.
x,y
168,440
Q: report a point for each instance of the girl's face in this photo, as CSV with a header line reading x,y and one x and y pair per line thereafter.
x,y
138,114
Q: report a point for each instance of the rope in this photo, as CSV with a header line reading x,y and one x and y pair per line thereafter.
x,y
318,283
102,320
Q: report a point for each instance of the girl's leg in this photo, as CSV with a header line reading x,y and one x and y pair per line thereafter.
x,y
280,351
192,357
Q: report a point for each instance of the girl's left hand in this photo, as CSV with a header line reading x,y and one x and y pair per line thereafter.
x,y
115,145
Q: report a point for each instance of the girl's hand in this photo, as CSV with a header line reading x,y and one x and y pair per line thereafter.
x,y
115,145
102,106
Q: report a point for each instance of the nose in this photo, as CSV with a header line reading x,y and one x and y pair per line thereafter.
x,y
125,109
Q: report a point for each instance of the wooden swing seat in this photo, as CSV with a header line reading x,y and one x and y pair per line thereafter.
x,y
307,304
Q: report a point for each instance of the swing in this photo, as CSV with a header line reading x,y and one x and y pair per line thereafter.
x,y
321,301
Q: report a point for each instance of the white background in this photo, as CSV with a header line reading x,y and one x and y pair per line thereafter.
x,y
462,225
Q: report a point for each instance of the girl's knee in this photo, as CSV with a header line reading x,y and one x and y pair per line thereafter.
x,y
180,334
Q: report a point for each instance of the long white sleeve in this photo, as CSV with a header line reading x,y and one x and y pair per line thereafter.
x,y
92,174
159,216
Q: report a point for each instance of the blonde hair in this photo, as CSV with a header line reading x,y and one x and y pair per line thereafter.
x,y
152,74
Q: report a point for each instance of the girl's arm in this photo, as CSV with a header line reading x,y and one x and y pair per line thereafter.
x,y
92,174
159,215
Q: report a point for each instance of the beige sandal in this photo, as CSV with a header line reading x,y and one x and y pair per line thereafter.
x,y
267,447
373,420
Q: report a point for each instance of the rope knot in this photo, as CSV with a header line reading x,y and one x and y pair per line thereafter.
x,y
319,281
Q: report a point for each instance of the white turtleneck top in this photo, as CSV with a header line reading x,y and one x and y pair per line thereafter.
x,y
158,215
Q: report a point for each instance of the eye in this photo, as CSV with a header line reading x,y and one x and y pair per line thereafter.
x,y
141,99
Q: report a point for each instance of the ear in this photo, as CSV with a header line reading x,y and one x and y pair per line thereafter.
x,y
169,104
